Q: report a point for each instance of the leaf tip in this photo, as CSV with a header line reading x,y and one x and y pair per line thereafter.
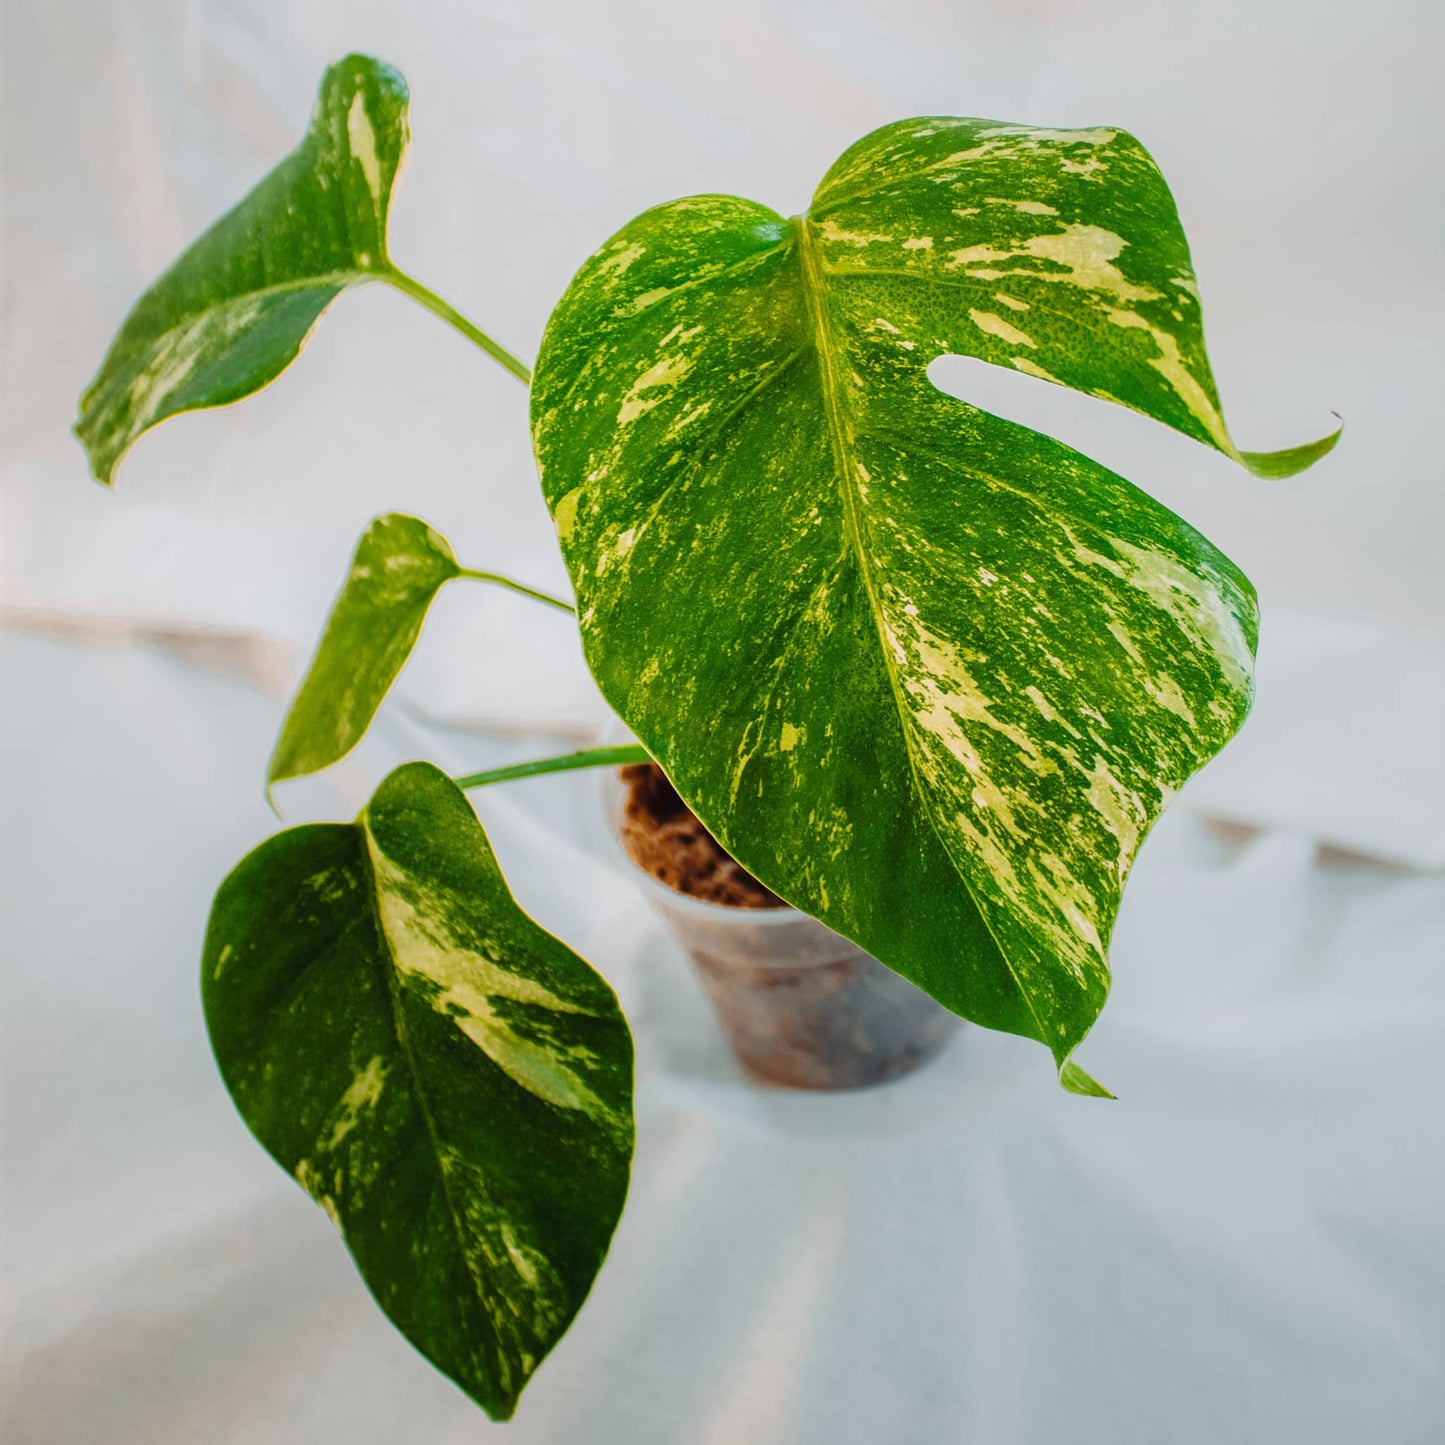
x,y
1290,461
102,468
356,65
288,762
499,1410
1076,1081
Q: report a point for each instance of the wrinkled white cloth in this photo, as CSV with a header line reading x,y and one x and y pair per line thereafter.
x,y
1346,742
1249,1245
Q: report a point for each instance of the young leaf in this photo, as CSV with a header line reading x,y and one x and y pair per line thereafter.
x,y
929,675
400,565
451,1083
237,307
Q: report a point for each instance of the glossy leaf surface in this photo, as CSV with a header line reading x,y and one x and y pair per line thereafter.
x,y
399,566
235,309
929,675
452,1084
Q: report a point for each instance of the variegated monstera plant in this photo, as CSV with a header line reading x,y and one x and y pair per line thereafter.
x,y
930,675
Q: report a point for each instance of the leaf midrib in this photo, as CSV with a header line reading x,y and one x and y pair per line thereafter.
x,y
369,854
840,434
339,278
840,427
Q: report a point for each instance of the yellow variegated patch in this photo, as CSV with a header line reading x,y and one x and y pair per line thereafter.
x,y
931,676
449,1082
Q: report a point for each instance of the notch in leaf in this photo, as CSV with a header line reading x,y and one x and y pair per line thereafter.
x,y
452,1084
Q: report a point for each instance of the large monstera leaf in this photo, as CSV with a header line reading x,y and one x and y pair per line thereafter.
x,y
233,311
928,674
449,1082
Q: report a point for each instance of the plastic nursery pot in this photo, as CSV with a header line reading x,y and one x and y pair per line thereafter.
x,y
801,1006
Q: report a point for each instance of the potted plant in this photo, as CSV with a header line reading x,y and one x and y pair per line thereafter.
x,y
927,675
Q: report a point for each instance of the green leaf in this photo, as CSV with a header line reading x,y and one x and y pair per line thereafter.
x,y
1057,253
451,1083
399,566
929,675
238,306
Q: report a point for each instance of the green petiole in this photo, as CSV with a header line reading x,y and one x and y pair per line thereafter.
x,y
453,317
586,758
518,587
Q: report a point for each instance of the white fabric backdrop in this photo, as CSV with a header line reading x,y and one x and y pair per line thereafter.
x,y
1248,1247
1245,1247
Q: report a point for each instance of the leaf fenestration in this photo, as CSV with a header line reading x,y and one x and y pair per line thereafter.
x,y
235,309
1058,253
451,1083
927,674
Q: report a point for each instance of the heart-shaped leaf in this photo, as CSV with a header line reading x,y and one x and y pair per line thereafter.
x,y
399,566
234,310
927,674
451,1083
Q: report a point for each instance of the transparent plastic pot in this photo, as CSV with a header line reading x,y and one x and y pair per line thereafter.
x,y
801,1006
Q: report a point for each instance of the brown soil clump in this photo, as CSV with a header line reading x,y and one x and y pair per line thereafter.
x,y
663,836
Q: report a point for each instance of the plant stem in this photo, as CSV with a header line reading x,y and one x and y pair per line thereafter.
x,y
449,313
587,758
518,587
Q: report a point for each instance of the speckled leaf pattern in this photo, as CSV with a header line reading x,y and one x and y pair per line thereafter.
x,y
237,307
928,674
399,566
451,1083
1056,253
